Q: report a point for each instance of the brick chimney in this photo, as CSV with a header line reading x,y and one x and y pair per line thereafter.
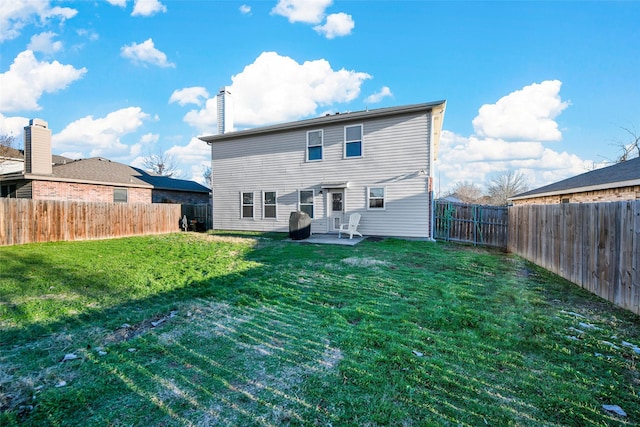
x,y
37,148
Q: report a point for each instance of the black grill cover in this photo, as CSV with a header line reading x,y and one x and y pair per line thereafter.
x,y
299,225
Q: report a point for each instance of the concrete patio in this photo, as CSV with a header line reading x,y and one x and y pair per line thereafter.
x,y
330,239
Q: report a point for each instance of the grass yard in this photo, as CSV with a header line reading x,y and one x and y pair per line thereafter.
x,y
192,329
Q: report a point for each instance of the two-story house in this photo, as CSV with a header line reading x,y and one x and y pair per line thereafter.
x,y
376,162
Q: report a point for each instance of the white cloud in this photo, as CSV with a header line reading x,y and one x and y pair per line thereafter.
x,y
337,25
13,126
194,152
525,114
44,43
189,95
100,136
307,11
498,146
147,8
192,158
378,96
16,14
145,140
145,54
245,10
276,88
88,34
205,119
121,3
27,79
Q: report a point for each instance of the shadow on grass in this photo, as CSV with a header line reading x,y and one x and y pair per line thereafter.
x,y
388,333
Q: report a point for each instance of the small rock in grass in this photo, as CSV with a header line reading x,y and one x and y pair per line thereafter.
x,y
131,350
102,352
634,347
615,409
588,326
61,384
610,344
69,356
154,324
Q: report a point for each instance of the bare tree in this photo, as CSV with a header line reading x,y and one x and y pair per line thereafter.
x,y
631,149
161,164
468,192
208,176
6,145
506,185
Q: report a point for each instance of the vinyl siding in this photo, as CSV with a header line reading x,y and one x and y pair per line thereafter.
x,y
395,151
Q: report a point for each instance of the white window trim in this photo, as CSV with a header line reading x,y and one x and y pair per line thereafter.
x,y
242,205
306,154
361,140
313,201
384,198
264,205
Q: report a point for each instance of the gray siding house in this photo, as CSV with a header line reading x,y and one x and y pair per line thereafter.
x,y
378,163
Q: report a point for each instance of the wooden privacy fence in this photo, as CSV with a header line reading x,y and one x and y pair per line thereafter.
x,y
30,221
594,245
476,224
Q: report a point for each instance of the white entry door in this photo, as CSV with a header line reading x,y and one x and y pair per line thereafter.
x,y
336,209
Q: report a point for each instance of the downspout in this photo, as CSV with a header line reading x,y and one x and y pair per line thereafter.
x,y
212,190
431,147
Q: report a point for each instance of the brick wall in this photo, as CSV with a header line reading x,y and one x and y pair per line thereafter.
x,y
611,195
68,191
165,196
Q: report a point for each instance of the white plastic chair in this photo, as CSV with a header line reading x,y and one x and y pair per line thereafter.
x,y
352,227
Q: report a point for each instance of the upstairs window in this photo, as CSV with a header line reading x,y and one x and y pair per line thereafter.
x,y
314,145
376,196
247,205
353,141
305,202
269,207
120,195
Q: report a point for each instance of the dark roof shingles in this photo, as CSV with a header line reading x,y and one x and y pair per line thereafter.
x,y
625,171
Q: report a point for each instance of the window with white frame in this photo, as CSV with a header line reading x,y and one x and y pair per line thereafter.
x,y
269,204
376,197
314,145
247,205
305,202
353,141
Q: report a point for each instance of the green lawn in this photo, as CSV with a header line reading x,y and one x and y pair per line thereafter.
x,y
192,329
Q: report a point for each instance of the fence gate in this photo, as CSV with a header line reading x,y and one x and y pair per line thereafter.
x,y
199,217
476,224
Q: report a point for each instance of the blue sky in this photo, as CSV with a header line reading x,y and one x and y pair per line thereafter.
x,y
543,88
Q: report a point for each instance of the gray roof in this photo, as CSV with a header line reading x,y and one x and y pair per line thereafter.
x,y
101,171
328,119
622,174
14,153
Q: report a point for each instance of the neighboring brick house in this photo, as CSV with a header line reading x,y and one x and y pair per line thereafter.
x,y
47,177
611,184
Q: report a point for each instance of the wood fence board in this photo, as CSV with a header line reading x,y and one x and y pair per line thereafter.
x,y
595,245
30,221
